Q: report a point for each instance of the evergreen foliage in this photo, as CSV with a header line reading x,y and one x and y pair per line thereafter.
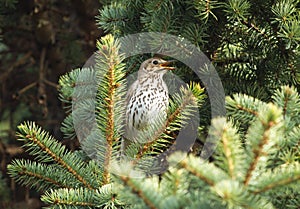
x,y
255,48
256,163
67,173
254,45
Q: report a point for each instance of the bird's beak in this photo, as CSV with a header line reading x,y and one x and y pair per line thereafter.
x,y
166,64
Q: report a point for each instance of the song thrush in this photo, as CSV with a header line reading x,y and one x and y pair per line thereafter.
x,y
147,101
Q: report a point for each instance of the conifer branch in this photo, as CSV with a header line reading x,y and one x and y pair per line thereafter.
x,y
243,107
228,155
127,181
258,150
31,133
158,134
280,183
248,110
288,99
193,171
251,25
57,158
65,198
110,72
257,154
110,126
207,172
39,173
26,172
73,204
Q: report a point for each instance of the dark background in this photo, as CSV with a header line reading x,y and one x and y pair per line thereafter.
x,y
39,42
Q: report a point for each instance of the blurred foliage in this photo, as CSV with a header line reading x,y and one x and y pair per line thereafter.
x,y
39,41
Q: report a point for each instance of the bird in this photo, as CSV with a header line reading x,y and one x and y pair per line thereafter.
x,y
146,101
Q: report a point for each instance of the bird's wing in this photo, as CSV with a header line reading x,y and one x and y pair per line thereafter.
x,y
130,92
142,123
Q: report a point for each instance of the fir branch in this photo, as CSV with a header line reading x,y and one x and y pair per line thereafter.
x,y
37,175
251,25
235,195
67,127
230,154
247,110
227,152
205,8
283,182
268,119
153,15
257,154
206,172
128,182
118,18
110,124
284,10
77,78
247,107
58,159
110,71
240,10
193,171
39,140
279,177
237,9
169,120
288,99
63,198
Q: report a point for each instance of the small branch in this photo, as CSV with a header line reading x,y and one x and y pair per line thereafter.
x,y
138,192
47,179
252,112
24,89
286,100
193,171
110,123
19,62
207,5
278,184
71,203
254,27
258,152
228,155
49,83
59,160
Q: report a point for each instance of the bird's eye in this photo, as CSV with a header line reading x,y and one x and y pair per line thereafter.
x,y
155,62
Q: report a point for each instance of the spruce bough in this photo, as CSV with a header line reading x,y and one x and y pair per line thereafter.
x,y
255,165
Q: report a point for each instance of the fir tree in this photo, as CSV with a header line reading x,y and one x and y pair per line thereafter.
x,y
254,45
262,172
65,176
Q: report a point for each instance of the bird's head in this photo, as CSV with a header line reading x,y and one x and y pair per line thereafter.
x,y
156,66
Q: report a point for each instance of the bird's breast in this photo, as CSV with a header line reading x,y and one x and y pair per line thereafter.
x,y
147,103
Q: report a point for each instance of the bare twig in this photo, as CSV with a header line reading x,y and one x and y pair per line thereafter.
x,y
19,62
